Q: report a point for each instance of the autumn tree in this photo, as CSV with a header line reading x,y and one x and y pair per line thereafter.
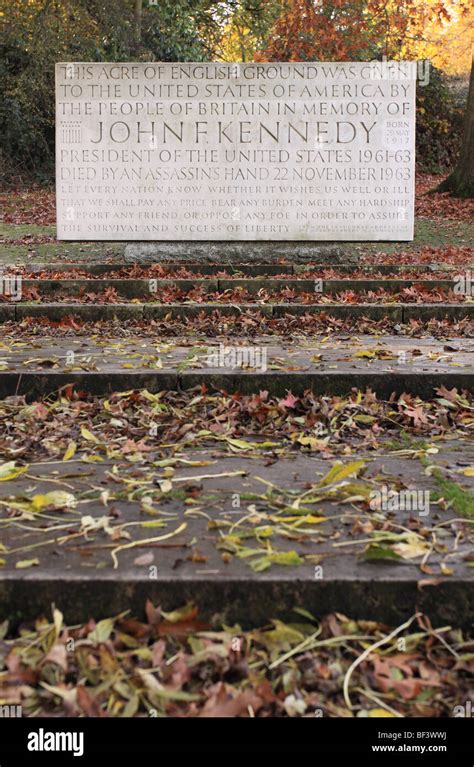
x,y
344,30
245,26
341,30
306,30
460,183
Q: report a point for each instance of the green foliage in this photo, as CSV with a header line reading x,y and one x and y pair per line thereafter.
x,y
439,123
39,33
245,26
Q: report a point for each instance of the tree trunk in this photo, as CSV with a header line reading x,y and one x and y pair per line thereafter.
x,y
137,17
461,181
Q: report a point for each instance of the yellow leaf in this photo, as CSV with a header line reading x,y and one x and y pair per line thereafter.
x,y
468,471
311,442
181,614
341,471
380,712
70,451
154,523
312,520
240,444
86,434
102,631
58,620
59,499
410,550
308,518
149,396
24,563
10,471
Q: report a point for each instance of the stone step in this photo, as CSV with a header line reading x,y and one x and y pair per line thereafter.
x,y
184,543
93,312
248,251
36,366
143,288
250,270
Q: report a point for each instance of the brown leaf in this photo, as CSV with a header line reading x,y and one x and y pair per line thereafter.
x,y
228,702
88,704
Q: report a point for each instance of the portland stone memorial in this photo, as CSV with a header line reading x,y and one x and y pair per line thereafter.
x,y
307,151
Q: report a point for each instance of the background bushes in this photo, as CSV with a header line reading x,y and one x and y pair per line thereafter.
x,y
38,33
439,121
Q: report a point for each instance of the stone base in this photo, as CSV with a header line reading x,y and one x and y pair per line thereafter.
x,y
240,252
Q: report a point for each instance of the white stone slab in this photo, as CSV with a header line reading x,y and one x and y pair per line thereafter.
x,y
281,151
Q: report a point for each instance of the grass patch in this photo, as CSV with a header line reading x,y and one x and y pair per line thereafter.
x,y
462,501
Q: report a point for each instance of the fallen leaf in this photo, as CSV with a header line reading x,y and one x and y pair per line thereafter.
x,y
23,564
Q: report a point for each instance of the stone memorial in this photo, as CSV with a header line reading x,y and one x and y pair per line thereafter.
x,y
311,151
